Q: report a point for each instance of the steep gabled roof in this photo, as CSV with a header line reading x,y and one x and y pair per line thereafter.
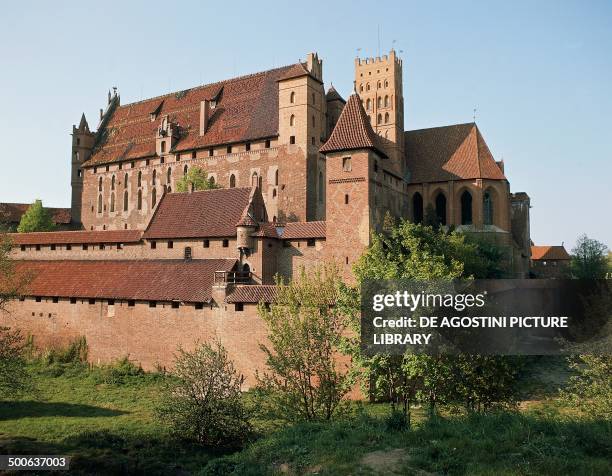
x,y
246,109
333,95
209,213
353,130
549,253
457,152
76,237
146,280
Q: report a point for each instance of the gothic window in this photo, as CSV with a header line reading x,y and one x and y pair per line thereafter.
x,y
100,203
211,180
113,183
125,201
154,179
367,86
185,170
153,197
140,179
169,175
276,177
232,181
274,193
386,118
254,179
292,97
125,180
379,102
417,208
292,120
346,164
487,208
386,101
378,85
466,208
441,208
163,147
112,205
361,88
260,183
386,84
379,119
368,104
139,199
100,184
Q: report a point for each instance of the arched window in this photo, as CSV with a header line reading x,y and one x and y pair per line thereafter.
x,y
292,120
113,183
112,207
487,208
378,85
379,119
169,175
361,88
185,170
153,197
254,179
321,187
139,199
260,183
441,208
292,97
232,181
379,102
274,219
386,118
417,208
211,180
466,208
386,101
276,177
140,179
274,193
125,201
154,179
367,86
386,84
100,203
125,180
368,104
100,184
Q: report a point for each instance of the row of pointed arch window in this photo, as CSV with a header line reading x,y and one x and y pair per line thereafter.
x,y
466,202
379,85
380,102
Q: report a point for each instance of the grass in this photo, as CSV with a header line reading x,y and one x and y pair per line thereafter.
x,y
104,419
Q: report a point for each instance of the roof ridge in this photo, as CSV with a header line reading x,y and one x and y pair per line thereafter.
x,y
478,164
202,86
440,127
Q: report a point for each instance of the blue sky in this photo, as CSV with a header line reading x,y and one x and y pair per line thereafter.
x,y
539,74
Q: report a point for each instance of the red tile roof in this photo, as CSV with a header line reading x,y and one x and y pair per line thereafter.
x,y
456,152
147,280
246,109
252,293
267,230
303,230
12,212
549,253
209,213
76,237
353,130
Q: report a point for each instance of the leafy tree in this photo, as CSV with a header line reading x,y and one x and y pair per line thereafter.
x,y
36,218
195,179
423,253
591,389
203,400
589,259
304,380
11,282
14,377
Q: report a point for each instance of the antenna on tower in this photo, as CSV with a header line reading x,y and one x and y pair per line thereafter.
x,y
475,114
378,35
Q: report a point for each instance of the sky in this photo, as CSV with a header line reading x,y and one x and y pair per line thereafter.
x,y
539,75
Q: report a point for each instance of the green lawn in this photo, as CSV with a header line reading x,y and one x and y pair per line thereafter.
x,y
110,429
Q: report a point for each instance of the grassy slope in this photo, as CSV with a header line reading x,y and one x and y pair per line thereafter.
x,y
110,429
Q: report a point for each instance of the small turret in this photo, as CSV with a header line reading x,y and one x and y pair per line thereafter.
x,y
82,145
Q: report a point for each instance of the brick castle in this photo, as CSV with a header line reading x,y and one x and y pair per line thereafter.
x,y
306,177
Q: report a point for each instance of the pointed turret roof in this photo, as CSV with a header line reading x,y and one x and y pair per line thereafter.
x,y
353,130
83,124
333,95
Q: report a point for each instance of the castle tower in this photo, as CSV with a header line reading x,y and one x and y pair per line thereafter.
x,y
379,84
82,145
353,154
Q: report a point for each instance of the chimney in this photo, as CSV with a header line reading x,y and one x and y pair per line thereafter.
x,y
204,115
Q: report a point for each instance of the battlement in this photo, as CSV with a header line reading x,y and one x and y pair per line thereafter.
x,y
385,59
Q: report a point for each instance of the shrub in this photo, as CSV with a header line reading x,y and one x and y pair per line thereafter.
x,y
118,373
202,401
591,389
14,377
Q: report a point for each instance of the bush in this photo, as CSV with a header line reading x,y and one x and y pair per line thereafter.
x,y
14,377
202,401
591,389
118,373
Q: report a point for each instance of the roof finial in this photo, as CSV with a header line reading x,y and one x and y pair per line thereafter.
x,y
474,117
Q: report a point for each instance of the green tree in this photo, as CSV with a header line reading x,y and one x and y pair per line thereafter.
x,y
36,218
589,259
202,400
591,389
195,179
14,376
304,380
425,253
